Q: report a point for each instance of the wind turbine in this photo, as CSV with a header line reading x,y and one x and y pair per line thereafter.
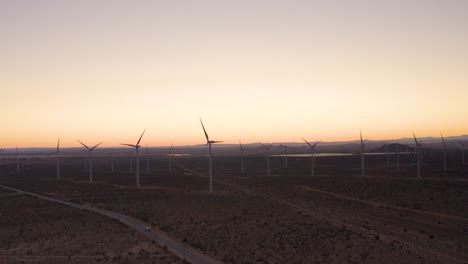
x,y
242,156
210,162
285,156
312,147
362,155
398,156
90,159
267,148
463,151
57,152
387,154
136,146
418,153
445,151
147,159
169,156
17,160
112,160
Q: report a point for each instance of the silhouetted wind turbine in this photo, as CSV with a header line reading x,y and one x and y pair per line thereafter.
x,y
445,151
210,162
169,157
387,155
268,149
242,156
463,151
90,159
112,160
57,152
362,155
17,160
285,156
398,155
147,159
418,153
136,146
312,162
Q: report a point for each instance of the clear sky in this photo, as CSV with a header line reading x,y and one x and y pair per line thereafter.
x,y
253,70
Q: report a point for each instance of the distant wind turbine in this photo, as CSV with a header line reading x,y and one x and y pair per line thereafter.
x,y
312,161
445,151
90,160
242,156
147,159
112,160
387,155
57,153
136,146
463,151
17,160
398,155
169,157
285,156
268,149
210,162
418,149
362,155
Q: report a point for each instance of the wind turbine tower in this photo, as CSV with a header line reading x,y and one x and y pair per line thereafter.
x,y
463,151
17,160
169,157
242,156
362,155
112,160
137,158
210,161
268,149
312,161
445,151
57,152
418,153
147,159
285,156
90,160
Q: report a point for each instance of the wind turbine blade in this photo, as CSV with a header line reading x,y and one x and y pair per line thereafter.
x,y
96,146
262,145
360,134
240,146
216,141
204,130
415,140
83,144
58,145
138,142
170,149
130,145
442,137
316,143
307,142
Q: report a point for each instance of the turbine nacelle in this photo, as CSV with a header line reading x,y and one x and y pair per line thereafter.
x,y
137,145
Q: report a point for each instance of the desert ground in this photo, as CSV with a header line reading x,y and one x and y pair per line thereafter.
x,y
336,216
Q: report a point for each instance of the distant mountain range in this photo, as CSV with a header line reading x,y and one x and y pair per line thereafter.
x,y
278,147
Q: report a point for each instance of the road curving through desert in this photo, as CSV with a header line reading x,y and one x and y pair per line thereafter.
x,y
179,249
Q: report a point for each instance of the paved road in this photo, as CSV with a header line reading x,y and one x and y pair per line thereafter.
x,y
179,249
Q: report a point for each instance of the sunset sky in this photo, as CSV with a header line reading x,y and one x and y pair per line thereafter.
x,y
253,70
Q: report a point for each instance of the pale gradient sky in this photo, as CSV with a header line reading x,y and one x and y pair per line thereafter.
x,y
253,70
